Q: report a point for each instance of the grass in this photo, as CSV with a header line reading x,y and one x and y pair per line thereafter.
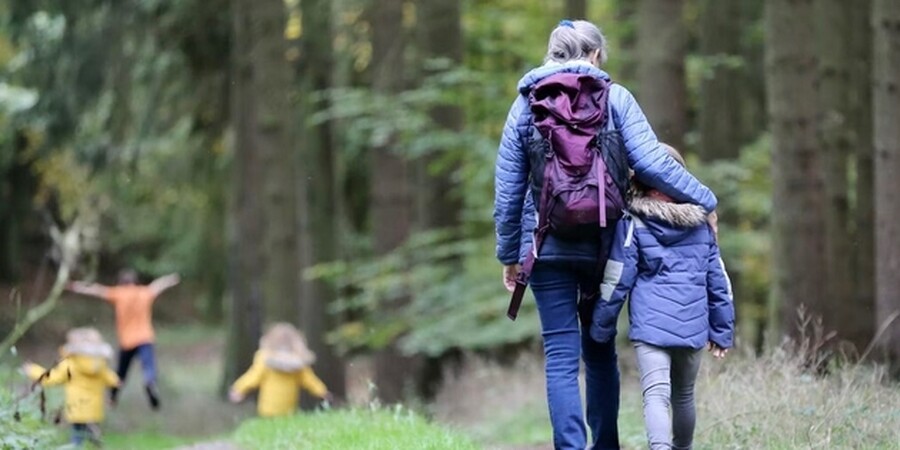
x,y
744,402
359,429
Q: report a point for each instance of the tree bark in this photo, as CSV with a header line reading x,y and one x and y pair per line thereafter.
x,y
438,202
861,123
797,205
322,210
721,89
391,197
662,45
886,95
833,19
273,120
245,262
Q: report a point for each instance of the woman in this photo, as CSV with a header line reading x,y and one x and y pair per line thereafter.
x,y
566,276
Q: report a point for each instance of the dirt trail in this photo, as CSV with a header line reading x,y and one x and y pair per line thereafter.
x,y
215,445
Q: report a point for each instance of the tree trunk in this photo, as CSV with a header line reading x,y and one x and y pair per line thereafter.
x,y
721,89
833,26
439,205
886,95
864,212
575,9
391,197
662,45
273,120
322,199
797,205
245,262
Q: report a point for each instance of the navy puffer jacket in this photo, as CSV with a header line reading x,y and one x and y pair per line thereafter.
x,y
514,212
665,259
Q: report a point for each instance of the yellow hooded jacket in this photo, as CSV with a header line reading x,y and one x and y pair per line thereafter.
x,y
279,387
85,379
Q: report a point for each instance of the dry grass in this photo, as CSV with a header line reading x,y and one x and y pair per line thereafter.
x,y
743,402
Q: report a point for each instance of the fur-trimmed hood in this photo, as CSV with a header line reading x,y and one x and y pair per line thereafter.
x,y
668,222
681,215
285,349
86,342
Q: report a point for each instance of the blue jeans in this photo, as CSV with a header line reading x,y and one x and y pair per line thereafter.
x,y
558,289
84,432
147,356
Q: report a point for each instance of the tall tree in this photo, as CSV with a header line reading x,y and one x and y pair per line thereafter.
x,y
721,88
662,46
797,205
886,95
834,24
321,211
861,122
439,31
245,263
273,119
575,9
391,197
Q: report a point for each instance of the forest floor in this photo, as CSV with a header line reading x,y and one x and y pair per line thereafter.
x,y
743,402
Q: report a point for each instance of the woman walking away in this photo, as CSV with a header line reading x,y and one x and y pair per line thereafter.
x,y
570,138
666,261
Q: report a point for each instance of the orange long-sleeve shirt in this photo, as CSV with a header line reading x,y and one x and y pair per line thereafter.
x,y
134,314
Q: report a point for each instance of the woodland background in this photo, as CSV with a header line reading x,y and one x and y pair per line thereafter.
x,y
330,163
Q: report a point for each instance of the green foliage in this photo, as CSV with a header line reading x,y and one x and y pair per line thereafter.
x,y
453,305
21,426
396,429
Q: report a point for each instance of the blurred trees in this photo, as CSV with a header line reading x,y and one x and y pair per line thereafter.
x,y
886,112
329,163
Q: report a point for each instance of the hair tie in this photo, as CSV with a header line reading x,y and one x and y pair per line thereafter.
x,y
567,23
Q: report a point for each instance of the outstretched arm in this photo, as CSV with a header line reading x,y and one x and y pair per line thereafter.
x,y
90,289
159,285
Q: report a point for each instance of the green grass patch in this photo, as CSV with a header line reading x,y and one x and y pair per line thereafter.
x,y
359,429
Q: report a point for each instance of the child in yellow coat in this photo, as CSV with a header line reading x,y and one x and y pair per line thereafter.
x,y
281,367
86,375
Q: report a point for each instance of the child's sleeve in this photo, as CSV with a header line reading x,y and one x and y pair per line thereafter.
x,y
309,381
618,279
110,378
58,374
721,301
252,377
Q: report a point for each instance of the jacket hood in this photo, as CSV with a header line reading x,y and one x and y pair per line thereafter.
x,y
536,75
87,365
86,342
285,361
668,222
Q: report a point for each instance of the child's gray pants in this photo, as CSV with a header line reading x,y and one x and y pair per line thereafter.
x,y
667,377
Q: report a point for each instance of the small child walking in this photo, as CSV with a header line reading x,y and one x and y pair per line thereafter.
x,y
281,367
85,374
666,261
133,304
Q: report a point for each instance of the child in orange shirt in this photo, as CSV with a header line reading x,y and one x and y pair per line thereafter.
x,y
133,304
281,367
84,372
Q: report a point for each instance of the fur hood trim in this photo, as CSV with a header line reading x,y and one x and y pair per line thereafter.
x,y
677,214
86,342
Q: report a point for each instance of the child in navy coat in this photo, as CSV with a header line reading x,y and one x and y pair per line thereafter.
x,y
665,260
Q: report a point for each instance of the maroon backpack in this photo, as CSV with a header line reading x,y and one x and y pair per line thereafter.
x,y
579,168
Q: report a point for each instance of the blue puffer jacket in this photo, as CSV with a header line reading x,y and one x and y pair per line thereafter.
x,y
515,217
665,256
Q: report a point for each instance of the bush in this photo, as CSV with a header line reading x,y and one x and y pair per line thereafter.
x,y
21,426
359,429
